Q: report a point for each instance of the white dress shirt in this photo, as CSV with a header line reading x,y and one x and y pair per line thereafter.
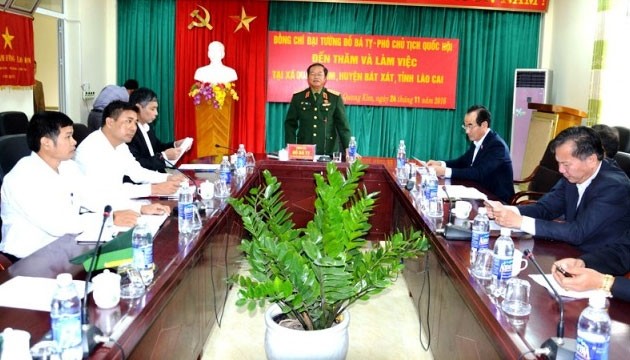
x,y
40,205
105,166
448,171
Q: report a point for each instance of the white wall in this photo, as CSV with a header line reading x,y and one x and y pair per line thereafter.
x,y
90,57
567,48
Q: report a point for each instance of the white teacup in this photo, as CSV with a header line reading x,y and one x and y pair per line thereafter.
x,y
462,209
106,289
518,263
206,190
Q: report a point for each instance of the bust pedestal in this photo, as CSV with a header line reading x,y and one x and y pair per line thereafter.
x,y
214,126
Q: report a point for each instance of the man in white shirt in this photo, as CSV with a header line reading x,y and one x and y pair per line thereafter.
x,y
44,194
105,159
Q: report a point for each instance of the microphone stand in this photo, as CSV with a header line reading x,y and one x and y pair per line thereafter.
x,y
88,331
452,231
556,347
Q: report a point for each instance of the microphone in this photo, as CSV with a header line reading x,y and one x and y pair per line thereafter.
x,y
556,347
173,167
411,182
452,231
225,147
88,331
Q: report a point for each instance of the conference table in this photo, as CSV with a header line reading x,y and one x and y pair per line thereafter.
x,y
187,297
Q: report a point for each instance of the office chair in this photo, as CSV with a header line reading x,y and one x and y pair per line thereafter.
x,y
623,161
12,149
80,132
540,181
13,122
624,138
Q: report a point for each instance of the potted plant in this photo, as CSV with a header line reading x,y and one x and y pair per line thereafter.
x,y
314,273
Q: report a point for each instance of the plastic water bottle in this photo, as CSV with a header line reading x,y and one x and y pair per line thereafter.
x,y
65,317
424,193
593,330
401,160
142,251
241,155
185,208
225,173
502,263
352,150
435,203
480,234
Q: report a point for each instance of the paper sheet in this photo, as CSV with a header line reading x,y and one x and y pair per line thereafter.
x,y
184,146
206,167
564,293
461,192
93,223
32,293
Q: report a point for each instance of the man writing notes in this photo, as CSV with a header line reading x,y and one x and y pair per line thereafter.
x,y
317,115
487,161
105,158
42,196
145,146
587,208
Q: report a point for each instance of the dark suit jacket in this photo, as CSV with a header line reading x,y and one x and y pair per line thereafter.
x,y
140,151
613,260
602,218
317,121
492,168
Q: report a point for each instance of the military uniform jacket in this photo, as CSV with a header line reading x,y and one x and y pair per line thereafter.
x,y
317,120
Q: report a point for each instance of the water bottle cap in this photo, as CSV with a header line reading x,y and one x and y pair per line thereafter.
x,y
64,279
225,158
402,142
352,138
482,211
506,231
597,300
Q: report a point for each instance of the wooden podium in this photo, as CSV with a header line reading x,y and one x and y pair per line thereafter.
x,y
214,126
547,121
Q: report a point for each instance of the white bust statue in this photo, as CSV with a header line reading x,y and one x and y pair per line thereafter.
x,y
215,72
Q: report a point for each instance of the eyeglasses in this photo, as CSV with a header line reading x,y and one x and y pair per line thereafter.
x,y
469,127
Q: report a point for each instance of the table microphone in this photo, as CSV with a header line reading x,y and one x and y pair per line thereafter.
x,y
411,182
225,147
88,331
173,167
452,231
557,347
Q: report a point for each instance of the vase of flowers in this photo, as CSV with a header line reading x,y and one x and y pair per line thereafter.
x,y
214,94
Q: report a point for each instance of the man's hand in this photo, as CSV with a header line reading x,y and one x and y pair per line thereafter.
x,y
439,170
169,187
503,216
581,278
125,218
434,163
172,153
155,209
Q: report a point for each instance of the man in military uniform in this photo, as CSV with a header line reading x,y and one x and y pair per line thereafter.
x,y
317,115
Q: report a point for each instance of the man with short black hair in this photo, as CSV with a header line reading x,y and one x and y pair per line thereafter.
x,y
587,208
486,162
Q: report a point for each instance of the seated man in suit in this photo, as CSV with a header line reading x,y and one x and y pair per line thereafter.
x,y
591,199
105,158
602,269
487,161
43,194
145,146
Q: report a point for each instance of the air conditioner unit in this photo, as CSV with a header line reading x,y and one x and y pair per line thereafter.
x,y
530,86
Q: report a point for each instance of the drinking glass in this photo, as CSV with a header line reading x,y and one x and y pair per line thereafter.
x,y
516,302
131,284
250,162
482,268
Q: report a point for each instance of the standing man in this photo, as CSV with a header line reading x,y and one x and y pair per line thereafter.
x,y
317,115
39,103
105,158
487,161
587,208
145,146
106,96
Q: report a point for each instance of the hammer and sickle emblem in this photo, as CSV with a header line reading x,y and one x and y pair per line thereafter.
x,y
201,21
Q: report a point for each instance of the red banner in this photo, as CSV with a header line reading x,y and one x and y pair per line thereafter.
x,y
365,69
505,5
16,50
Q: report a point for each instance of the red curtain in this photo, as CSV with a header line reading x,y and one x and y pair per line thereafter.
x,y
245,52
16,50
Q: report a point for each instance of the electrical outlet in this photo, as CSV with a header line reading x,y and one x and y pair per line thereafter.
x,y
88,95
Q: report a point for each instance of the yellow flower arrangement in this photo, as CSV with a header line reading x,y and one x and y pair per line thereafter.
x,y
216,93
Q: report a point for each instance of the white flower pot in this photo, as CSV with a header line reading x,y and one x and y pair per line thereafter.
x,y
286,344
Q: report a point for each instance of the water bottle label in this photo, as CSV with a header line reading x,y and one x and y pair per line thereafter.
x,y
352,150
226,176
479,239
143,257
67,330
591,350
400,162
502,268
